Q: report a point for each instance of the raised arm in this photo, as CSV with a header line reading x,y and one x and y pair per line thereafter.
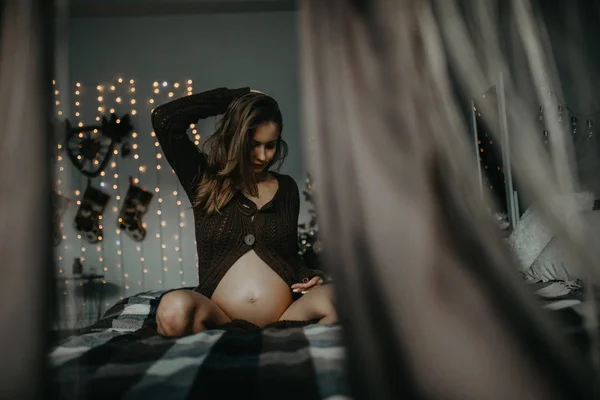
x,y
171,121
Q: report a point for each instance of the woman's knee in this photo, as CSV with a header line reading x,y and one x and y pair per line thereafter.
x,y
175,313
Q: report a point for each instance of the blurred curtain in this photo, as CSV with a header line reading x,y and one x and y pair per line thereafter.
x,y
25,101
429,296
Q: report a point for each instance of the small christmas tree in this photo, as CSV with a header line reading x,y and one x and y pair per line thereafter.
x,y
308,233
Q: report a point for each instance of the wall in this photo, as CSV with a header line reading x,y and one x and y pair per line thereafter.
x,y
231,50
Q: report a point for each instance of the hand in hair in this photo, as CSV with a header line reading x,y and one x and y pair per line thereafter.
x,y
308,285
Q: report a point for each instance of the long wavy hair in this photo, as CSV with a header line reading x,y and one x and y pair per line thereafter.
x,y
229,149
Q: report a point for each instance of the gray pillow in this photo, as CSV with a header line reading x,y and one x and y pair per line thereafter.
x,y
537,246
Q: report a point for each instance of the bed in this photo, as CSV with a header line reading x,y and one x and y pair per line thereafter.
x,y
122,356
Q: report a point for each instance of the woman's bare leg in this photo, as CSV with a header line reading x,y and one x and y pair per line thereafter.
x,y
317,304
185,312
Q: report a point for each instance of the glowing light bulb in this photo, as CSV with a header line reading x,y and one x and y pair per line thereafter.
x,y
118,99
120,80
99,88
158,167
132,101
78,84
131,81
155,84
151,101
171,94
112,88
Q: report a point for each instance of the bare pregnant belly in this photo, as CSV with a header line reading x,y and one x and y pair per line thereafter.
x,y
252,291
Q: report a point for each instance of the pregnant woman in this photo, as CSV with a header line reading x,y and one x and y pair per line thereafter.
x,y
246,217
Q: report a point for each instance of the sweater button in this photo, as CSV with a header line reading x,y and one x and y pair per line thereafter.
x,y
249,239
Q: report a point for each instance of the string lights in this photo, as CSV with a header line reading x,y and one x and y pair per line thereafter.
x,y
161,265
59,184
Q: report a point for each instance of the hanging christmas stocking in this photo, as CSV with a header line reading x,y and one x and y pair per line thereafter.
x,y
87,220
60,205
134,207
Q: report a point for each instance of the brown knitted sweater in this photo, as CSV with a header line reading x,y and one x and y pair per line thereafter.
x,y
222,238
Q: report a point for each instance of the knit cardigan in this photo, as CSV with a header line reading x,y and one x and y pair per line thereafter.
x,y
222,238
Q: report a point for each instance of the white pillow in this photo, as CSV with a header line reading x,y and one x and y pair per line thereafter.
x,y
538,247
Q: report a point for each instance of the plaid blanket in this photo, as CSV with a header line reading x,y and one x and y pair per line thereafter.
x,y
122,356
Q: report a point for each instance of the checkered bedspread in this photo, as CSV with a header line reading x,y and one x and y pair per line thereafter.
x,y
122,356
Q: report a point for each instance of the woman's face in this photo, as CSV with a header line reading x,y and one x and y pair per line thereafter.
x,y
264,145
